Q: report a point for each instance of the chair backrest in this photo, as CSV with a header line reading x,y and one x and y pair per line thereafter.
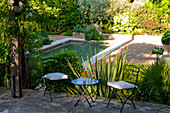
x,y
50,64
130,73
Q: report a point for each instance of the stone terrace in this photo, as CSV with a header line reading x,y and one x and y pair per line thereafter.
x,y
34,102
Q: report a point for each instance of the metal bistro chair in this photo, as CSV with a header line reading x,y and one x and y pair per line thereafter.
x,y
126,88
50,76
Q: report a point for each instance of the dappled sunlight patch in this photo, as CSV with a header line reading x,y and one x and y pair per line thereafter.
x,y
149,55
3,95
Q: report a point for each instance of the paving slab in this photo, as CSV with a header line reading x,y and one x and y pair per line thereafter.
x,y
34,102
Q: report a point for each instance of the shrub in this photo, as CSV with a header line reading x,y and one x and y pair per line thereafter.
x,y
166,38
69,33
64,56
44,39
78,29
123,23
35,71
93,34
151,27
108,31
156,80
93,11
51,33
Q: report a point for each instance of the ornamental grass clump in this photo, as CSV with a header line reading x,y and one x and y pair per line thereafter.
x,y
103,72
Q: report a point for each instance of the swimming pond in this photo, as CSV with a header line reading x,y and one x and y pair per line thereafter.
x,y
82,49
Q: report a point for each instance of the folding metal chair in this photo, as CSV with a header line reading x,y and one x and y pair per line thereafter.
x,y
51,77
125,89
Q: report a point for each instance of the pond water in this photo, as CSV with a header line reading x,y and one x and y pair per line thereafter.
x,y
82,49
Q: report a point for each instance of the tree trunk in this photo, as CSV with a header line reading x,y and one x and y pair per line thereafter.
x,y
16,89
15,46
25,78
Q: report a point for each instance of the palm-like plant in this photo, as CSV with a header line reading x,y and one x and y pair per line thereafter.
x,y
158,77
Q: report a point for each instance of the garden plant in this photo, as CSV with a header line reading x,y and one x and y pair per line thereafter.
x,y
40,18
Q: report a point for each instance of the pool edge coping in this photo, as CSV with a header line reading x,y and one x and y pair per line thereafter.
x,y
118,42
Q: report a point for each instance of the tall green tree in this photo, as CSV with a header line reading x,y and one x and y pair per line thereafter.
x,y
20,32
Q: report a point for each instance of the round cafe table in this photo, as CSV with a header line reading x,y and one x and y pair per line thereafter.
x,y
85,83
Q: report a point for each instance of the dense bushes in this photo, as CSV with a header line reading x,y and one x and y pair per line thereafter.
x,y
35,69
155,85
93,34
64,56
115,16
68,16
44,39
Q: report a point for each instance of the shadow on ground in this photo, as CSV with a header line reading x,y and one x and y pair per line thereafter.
x,y
138,53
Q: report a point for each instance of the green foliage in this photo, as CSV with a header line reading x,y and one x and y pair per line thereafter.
x,y
34,65
158,83
166,38
123,23
44,32
64,56
68,17
159,11
103,72
116,7
78,29
158,50
52,33
68,33
151,27
92,10
156,19
27,26
93,34
108,31
44,39
4,75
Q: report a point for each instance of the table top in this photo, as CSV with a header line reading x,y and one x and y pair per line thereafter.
x,y
84,81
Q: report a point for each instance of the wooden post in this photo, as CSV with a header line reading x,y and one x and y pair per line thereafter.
x,y
16,89
16,86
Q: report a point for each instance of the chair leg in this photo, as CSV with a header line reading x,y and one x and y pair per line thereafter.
x,y
119,98
111,98
123,105
133,103
108,102
45,90
50,96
